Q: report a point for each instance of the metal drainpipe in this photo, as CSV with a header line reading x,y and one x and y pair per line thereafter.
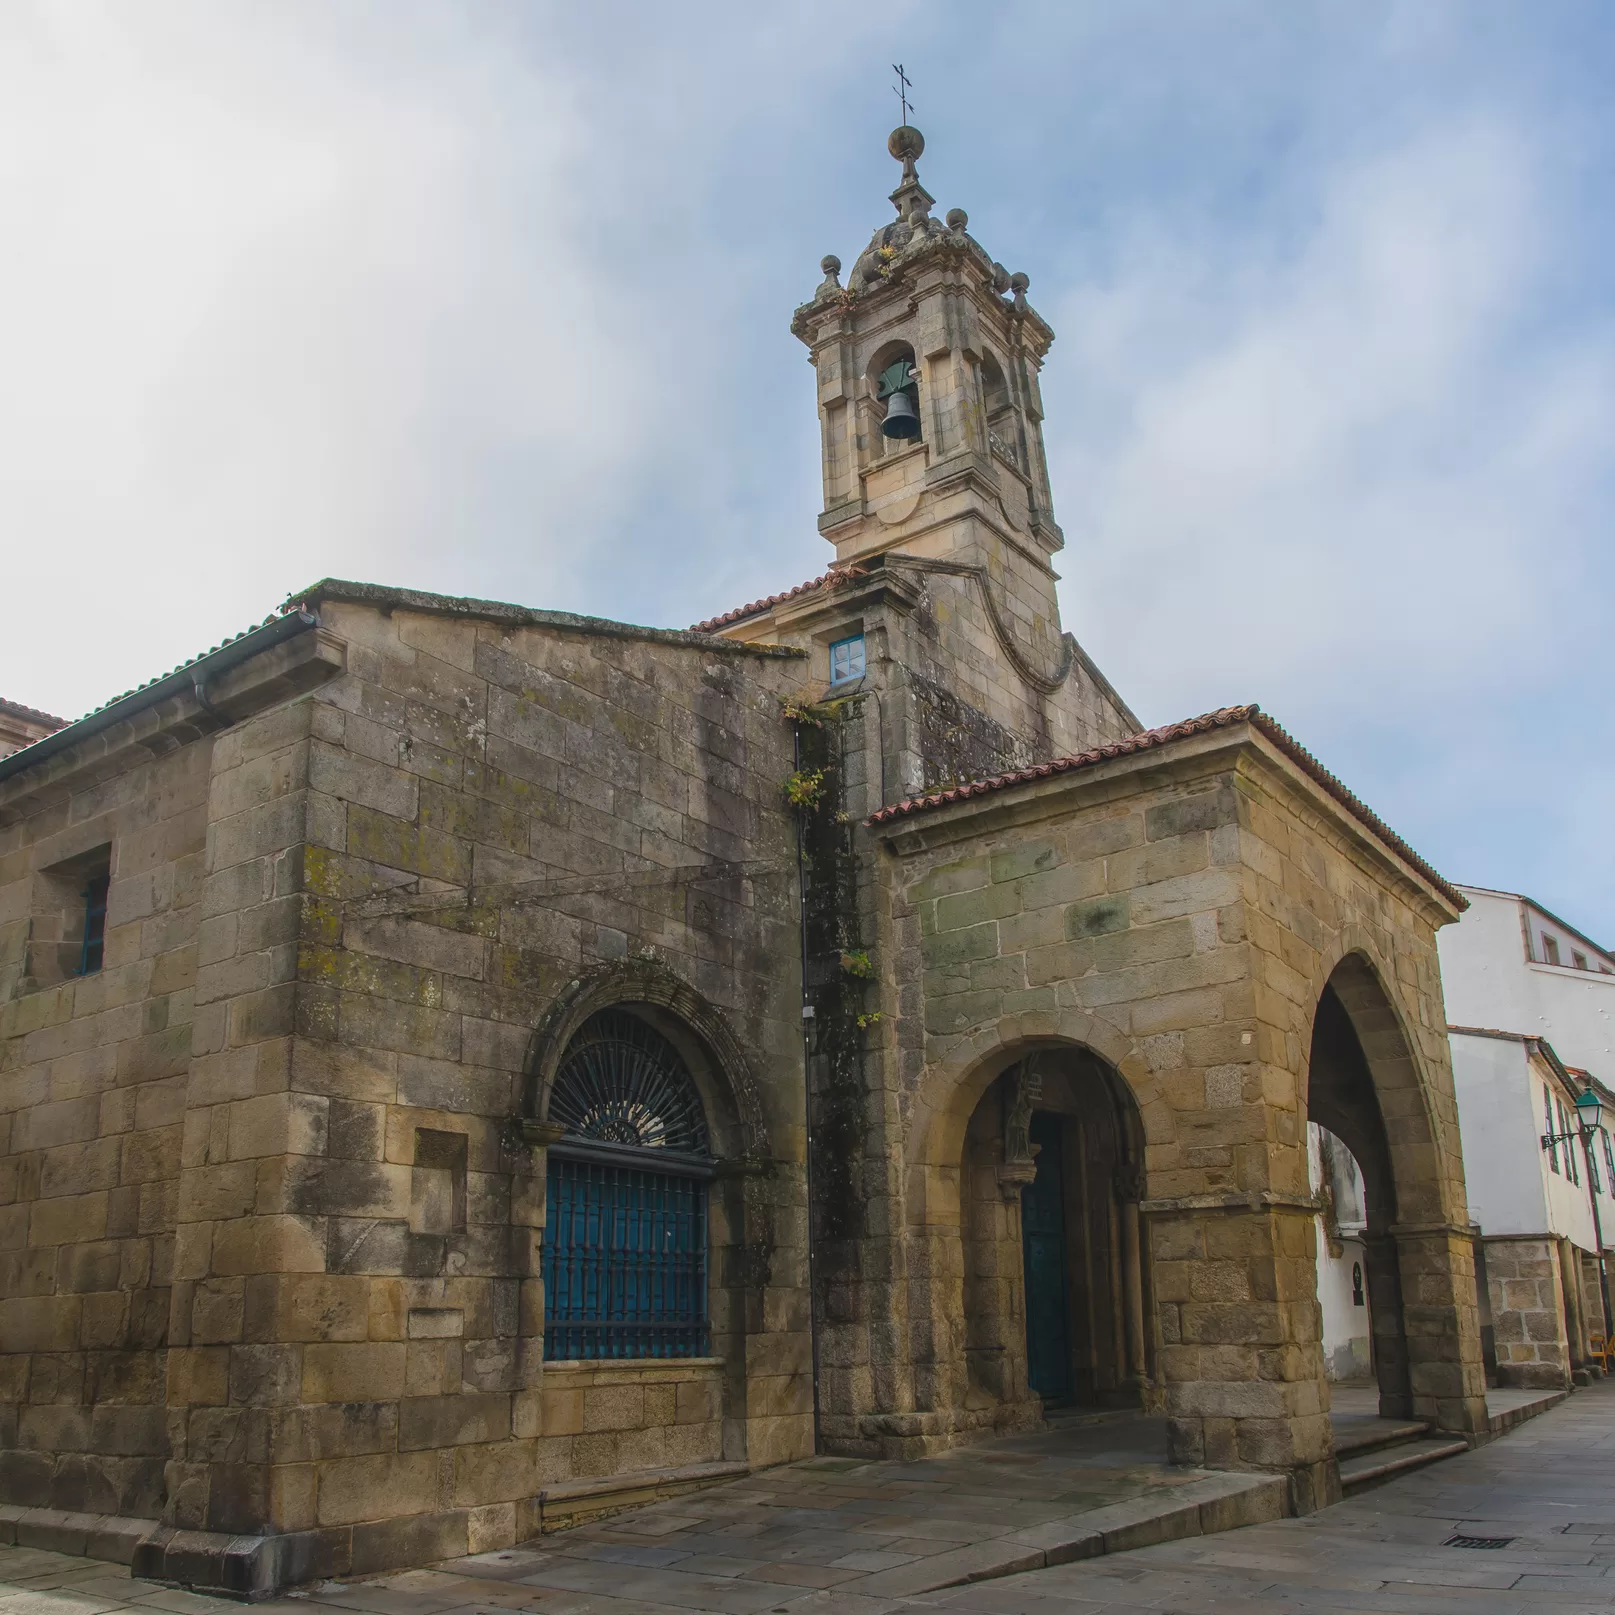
x,y
1598,1227
807,1084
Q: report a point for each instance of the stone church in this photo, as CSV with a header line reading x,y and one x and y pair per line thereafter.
x,y
466,1067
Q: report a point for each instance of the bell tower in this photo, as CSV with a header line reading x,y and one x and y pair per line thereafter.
x,y
932,423
941,599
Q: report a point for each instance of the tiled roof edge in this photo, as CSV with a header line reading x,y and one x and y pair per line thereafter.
x,y
237,648
452,605
740,613
15,709
1149,739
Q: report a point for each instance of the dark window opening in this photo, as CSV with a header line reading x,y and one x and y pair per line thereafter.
x,y
92,949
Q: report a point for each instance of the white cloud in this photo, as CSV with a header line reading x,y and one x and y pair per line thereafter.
x,y
492,299
1337,455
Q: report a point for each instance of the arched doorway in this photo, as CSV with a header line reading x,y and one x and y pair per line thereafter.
x,y
1054,1275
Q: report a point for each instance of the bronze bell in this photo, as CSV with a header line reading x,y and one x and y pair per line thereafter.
x,y
902,419
897,388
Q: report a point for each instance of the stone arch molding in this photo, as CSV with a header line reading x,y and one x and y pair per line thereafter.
x,y
647,981
950,1090
1364,981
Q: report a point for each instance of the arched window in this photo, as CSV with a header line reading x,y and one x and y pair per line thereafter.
x,y
625,1250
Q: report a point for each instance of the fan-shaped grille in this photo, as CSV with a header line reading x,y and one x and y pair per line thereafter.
x,y
622,1082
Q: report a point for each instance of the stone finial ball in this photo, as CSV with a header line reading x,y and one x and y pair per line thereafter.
x,y
1019,282
906,143
829,264
957,218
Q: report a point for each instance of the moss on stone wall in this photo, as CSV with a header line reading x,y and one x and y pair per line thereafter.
x,y
835,991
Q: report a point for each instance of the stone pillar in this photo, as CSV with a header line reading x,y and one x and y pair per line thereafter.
x,y
1241,1359
1133,1288
1575,1309
1441,1326
1528,1321
1382,1277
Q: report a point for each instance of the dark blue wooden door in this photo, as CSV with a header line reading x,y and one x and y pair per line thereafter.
x,y
1048,1328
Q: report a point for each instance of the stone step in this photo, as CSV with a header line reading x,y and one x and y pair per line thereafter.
x,y
1381,1433
1386,1463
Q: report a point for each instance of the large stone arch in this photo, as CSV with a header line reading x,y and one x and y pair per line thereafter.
x,y
1364,985
1365,1079
940,1234
650,982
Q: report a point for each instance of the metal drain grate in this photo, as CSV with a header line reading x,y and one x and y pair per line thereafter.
x,y
1477,1542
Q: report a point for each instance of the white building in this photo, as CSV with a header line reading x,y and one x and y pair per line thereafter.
x,y
1342,1264
1531,1012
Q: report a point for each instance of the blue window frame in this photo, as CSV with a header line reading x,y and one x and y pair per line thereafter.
x,y
625,1246
92,948
1549,1130
625,1269
847,659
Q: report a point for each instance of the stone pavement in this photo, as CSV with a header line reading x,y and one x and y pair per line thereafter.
x,y
843,1537
873,1532
1548,1487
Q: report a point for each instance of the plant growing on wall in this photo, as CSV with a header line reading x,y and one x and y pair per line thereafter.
x,y
805,788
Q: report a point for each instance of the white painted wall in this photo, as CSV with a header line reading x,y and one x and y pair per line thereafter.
x,y
1494,976
1513,1187
1346,1352
1488,980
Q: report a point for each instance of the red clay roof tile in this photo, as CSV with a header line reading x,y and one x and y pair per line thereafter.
x,y
1223,718
713,623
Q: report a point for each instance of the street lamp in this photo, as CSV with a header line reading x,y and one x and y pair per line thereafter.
x,y
1589,1117
1589,1110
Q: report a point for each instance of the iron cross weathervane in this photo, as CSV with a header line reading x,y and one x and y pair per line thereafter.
x,y
901,88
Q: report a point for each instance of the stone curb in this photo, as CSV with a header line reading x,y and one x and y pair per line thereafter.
x,y
91,1536
1199,1507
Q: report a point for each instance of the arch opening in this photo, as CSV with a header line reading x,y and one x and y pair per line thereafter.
x,y
1361,1076
1342,1271
1053,1277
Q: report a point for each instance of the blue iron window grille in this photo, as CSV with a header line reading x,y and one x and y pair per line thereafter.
x,y
93,946
847,659
625,1249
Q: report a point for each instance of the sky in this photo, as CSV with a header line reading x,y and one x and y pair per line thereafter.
x,y
492,298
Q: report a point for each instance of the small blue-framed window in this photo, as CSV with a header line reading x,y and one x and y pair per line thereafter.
x,y
93,944
847,659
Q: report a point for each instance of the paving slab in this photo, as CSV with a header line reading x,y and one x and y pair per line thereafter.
x,y
1074,1520
1548,1485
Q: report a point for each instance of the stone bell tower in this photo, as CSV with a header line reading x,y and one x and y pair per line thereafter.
x,y
944,460
941,598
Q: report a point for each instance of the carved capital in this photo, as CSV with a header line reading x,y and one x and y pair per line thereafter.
x,y
1013,1176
